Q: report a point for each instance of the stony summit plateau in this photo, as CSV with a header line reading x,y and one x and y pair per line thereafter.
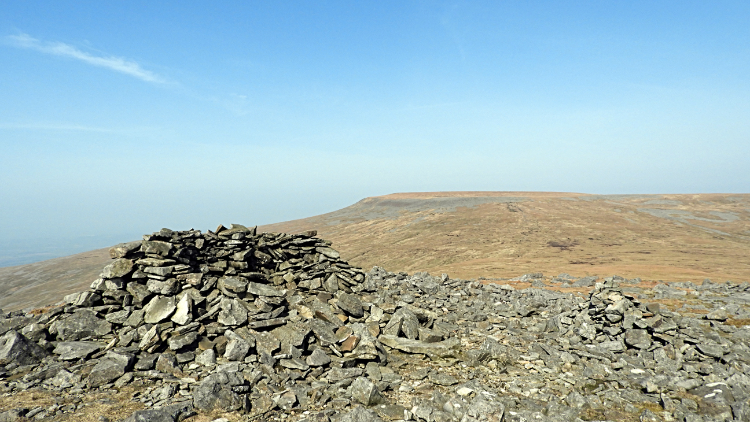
x,y
240,325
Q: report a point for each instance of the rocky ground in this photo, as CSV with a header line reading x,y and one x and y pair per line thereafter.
x,y
236,325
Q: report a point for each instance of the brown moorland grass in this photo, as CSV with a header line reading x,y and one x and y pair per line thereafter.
x,y
491,234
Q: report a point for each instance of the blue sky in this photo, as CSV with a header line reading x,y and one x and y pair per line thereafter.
x,y
119,118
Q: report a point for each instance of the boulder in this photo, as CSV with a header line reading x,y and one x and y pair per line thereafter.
x,y
14,347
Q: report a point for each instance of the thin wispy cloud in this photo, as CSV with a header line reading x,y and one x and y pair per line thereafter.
x,y
118,64
53,127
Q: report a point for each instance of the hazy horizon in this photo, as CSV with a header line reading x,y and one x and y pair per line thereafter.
x,y
128,117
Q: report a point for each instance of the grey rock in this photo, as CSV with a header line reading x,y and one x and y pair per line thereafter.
x,y
166,287
207,358
233,284
156,247
178,342
440,378
442,349
263,290
112,366
81,324
124,249
119,268
74,350
713,350
366,392
318,358
351,304
237,347
640,339
232,312
215,392
184,311
159,309
14,347
359,414
172,413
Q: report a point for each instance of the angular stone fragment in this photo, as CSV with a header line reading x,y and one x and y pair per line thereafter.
x,y
167,287
263,290
112,366
118,317
74,350
403,321
159,309
442,349
156,247
440,378
351,304
233,284
639,339
713,350
139,291
215,392
237,347
338,374
232,312
318,358
150,339
328,252
82,299
178,342
14,347
360,414
124,249
207,358
184,312
119,268
366,392
83,323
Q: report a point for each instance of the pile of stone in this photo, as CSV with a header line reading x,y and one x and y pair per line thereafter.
x,y
285,307
278,326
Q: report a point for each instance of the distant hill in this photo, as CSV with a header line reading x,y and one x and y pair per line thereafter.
x,y
492,235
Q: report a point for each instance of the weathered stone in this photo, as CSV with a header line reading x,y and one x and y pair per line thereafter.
x,y
440,378
166,287
139,291
124,249
360,414
167,363
232,312
156,247
442,349
119,268
74,350
237,347
82,299
318,358
184,312
263,290
118,317
112,366
206,358
159,309
365,392
351,304
178,342
233,284
14,347
150,338
81,324
215,392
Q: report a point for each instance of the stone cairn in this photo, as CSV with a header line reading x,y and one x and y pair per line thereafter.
x,y
177,301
